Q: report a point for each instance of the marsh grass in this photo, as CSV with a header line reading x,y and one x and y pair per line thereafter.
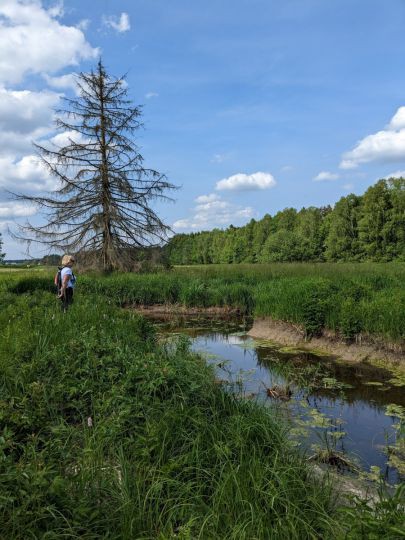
x,y
107,433
352,300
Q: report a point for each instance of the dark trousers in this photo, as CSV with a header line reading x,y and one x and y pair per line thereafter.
x,y
67,299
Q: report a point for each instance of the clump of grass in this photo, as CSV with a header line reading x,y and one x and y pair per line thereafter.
x,y
108,433
381,519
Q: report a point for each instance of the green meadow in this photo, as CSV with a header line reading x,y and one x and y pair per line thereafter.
x,y
110,431
348,298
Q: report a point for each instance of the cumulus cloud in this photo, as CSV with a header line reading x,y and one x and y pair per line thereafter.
x,y
27,175
66,138
384,146
325,175
120,24
25,116
150,95
24,111
212,211
13,209
33,40
396,174
398,120
203,199
63,81
246,182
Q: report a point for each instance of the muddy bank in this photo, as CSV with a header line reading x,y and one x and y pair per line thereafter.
x,y
287,334
172,310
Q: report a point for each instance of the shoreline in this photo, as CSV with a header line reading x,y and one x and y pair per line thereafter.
x,y
172,310
290,335
286,334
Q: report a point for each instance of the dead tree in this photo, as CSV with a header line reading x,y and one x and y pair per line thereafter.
x,y
101,208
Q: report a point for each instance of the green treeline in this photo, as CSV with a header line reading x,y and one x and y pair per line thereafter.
x,y
368,227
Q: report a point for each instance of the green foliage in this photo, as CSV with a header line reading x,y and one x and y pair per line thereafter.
x,y
106,432
350,318
370,227
349,299
376,520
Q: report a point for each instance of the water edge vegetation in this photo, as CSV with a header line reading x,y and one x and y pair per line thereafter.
x,y
108,432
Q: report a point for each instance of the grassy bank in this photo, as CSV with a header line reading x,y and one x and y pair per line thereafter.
x,y
106,432
348,299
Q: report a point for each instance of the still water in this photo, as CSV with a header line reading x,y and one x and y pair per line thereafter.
x,y
332,405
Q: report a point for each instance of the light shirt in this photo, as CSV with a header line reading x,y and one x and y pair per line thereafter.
x,y
66,271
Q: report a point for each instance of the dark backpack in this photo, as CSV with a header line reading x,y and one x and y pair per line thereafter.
x,y
58,279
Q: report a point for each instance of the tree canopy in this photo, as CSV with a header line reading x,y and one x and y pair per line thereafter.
x,y
368,227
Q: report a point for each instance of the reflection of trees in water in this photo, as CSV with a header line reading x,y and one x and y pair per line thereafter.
x,y
294,368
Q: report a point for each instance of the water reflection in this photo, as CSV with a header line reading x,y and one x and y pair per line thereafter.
x,y
350,411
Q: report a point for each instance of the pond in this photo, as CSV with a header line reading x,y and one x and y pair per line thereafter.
x,y
348,411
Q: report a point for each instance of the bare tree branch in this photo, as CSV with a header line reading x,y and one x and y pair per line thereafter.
x,y
102,207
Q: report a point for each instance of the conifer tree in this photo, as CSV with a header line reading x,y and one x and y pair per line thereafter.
x,y
102,206
2,255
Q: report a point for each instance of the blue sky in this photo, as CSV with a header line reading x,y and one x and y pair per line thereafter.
x,y
249,106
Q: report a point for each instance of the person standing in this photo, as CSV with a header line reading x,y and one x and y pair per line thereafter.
x,y
67,280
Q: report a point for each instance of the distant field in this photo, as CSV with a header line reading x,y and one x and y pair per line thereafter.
x,y
30,269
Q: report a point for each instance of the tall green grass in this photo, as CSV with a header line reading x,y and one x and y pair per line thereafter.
x,y
108,433
349,299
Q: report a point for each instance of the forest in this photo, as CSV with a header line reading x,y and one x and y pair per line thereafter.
x,y
358,228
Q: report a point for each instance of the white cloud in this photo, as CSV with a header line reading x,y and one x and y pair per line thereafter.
x,y
120,24
16,210
212,211
83,24
57,9
396,174
25,175
150,95
63,81
202,199
384,146
325,175
348,187
66,138
32,40
398,120
24,111
287,168
25,116
246,182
